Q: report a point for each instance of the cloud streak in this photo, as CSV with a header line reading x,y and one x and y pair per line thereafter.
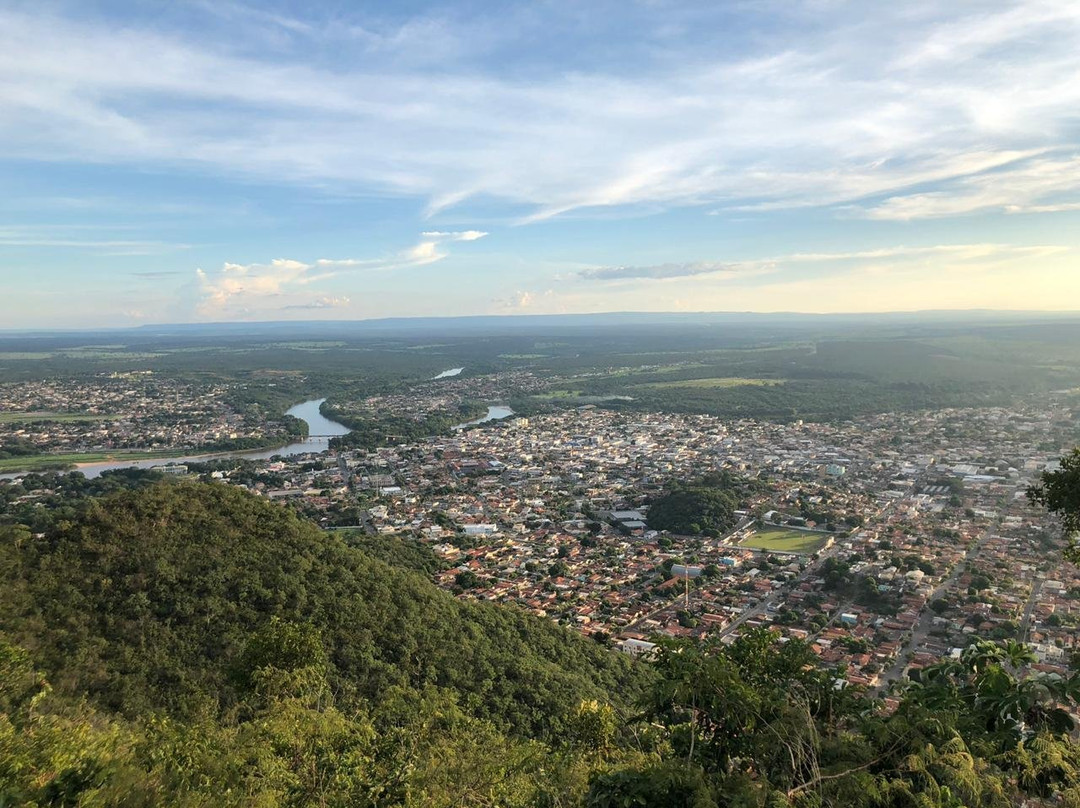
x,y
946,255
656,272
842,113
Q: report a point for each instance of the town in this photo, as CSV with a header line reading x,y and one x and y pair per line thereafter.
x,y
887,542
139,411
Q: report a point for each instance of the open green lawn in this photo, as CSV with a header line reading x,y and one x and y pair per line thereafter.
x,y
26,355
784,539
61,417
45,462
726,381
552,395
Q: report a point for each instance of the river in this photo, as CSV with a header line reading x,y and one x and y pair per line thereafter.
x,y
446,374
493,414
320,430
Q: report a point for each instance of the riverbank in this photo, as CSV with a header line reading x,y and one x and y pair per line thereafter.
x,y
93,463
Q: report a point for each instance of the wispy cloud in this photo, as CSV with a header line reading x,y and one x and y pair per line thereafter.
x,y
157,275
853,108
464,235
322,302
945,255
656,272
1032,186
426,251
74,237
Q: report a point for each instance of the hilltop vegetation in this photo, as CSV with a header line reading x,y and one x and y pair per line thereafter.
x,y
191,645
703,506
147,600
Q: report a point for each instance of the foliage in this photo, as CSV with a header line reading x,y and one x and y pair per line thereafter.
x,y
147,600
183,644
704,506
371,430
1059,492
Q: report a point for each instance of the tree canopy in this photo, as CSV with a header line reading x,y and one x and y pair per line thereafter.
x,y
170,643
1059,492
706,505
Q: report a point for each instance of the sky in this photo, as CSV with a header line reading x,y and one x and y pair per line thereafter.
x,y
220,160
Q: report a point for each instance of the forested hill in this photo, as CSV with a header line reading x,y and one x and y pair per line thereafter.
x,y
147,601
193,646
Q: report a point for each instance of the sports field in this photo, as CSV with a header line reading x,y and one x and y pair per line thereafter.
x,y
785,539
56,417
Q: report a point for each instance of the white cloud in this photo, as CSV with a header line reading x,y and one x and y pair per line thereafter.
x,y
1017,190
858,106
322,302
75,237
899,278
464,235
657,271
529,302
236,286
242,289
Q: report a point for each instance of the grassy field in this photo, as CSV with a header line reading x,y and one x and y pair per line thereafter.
x,y
59,417
46,462
553,395
578,397
727,381
787,540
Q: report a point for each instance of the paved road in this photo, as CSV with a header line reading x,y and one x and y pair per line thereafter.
x,y
922,628
776,597
1025,621
346,472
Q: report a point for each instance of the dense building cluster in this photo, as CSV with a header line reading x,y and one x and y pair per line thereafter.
x,y
908,534
139,410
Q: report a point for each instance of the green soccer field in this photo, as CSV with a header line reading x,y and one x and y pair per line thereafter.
x,y
785,540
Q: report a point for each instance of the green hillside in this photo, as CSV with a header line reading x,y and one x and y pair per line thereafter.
x,y
148,599
181,644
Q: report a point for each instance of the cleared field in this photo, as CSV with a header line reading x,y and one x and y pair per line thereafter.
x,y
59,417
727,381
46,462
552,395
578,397
786,540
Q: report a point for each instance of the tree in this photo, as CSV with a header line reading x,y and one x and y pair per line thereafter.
x,y
702,506
1059,492
558,569
467,579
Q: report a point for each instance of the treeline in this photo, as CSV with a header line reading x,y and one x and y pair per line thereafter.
x,y
370,430
17,447
706,505
812,399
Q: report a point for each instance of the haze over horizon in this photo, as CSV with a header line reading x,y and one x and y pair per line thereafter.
x,y
228,161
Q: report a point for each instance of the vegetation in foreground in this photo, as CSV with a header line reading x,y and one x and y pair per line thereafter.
x,y
189,645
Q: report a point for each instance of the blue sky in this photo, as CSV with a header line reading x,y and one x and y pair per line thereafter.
x,y
209,160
